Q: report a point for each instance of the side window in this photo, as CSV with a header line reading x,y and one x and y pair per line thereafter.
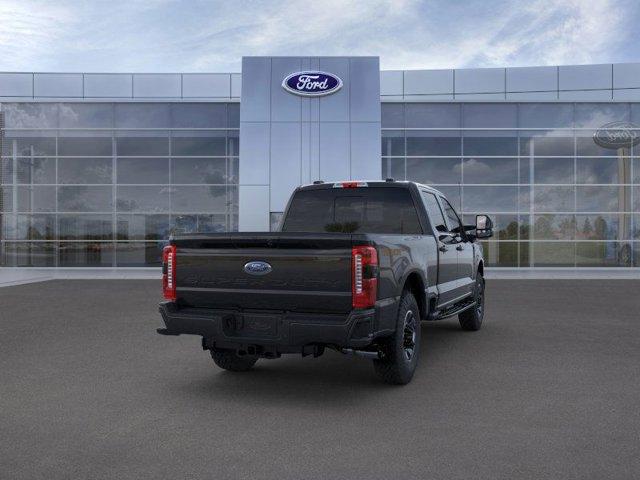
x,y
434,211
452,217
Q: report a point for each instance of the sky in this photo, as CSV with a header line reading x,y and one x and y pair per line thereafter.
x,y
212,36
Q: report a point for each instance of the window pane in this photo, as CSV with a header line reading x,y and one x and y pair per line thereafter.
x,y
36,170
199,115
233,143
199,224
490,199
37,199
392,115
636,170
143,146
213,144
142,170
38,254
199,199
138,254
490,143
85,170
80,254
598,114
490,170
432,115
85,227
545,115
275,218
433,143
35,227
603,170
30,115
233,115
85,199
585,145
392,143
434,170
500,254
393,168
93,115
488,115
143,227
6,199
554,227
31,146
142,199
436,217
553,254
554,199
553,170
199,170
603,254
453,194
603,199
91,146
142,115
546,144
601,226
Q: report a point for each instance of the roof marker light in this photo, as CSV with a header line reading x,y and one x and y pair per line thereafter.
x,y
350,184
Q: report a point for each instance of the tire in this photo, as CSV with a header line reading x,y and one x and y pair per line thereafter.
x,y
471,320
229,360
401,351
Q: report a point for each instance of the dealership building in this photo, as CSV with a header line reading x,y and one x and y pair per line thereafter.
x,y
99,169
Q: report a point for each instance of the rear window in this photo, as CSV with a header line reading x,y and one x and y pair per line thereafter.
x,y
358,210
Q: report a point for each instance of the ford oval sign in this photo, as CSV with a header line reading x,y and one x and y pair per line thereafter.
x,y
617,135
312,84
257,267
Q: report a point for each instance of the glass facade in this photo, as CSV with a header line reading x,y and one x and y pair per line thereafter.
x,y
104,184
557,198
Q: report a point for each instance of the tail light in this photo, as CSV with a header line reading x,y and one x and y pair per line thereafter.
x,y
364,276
169,272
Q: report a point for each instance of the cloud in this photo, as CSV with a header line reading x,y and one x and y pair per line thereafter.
x,y
165,35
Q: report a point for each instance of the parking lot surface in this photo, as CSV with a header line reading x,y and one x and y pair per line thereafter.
x,y
549,388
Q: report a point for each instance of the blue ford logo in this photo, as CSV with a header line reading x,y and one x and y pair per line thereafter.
x,y
312,84
257,268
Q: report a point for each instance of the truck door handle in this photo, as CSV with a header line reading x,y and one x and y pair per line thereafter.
x,y
460,247
443,248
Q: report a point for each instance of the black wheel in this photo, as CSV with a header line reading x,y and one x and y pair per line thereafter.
x,y
400,352
229,360
471,319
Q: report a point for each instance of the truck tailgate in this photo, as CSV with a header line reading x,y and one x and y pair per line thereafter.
x,y
309,272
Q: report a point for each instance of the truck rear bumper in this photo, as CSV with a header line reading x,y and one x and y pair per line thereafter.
x,y
284,332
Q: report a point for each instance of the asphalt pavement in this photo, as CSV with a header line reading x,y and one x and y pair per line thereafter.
x,y
548,389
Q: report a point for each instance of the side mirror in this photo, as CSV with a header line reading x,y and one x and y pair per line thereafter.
x,y
484,226
446,237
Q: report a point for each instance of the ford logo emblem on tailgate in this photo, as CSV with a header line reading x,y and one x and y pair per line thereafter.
x,y
257,268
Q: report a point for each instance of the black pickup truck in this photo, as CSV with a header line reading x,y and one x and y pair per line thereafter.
x,y
355,267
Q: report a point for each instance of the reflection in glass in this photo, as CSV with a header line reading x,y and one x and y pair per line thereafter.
x,y
35,227
32,146
598,114
553,254
432,171
603,198
490,199
490,143
36,170
199,170
393,168
142,170
181,224
142,115
85,199
432,115
94,146
143,199
139,254
546,144
554,199
603,170
554,227
545,115
37,254
500,254
603,254
553,170
146,146
85,227
36,199
142,227
211,144
392,143
440,143
83,115
505,227
602,226
81,254
199,199
392,115
199,115
30,115
490,170
490,115
85,170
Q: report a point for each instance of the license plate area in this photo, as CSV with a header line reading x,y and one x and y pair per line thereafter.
x,y
252,325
